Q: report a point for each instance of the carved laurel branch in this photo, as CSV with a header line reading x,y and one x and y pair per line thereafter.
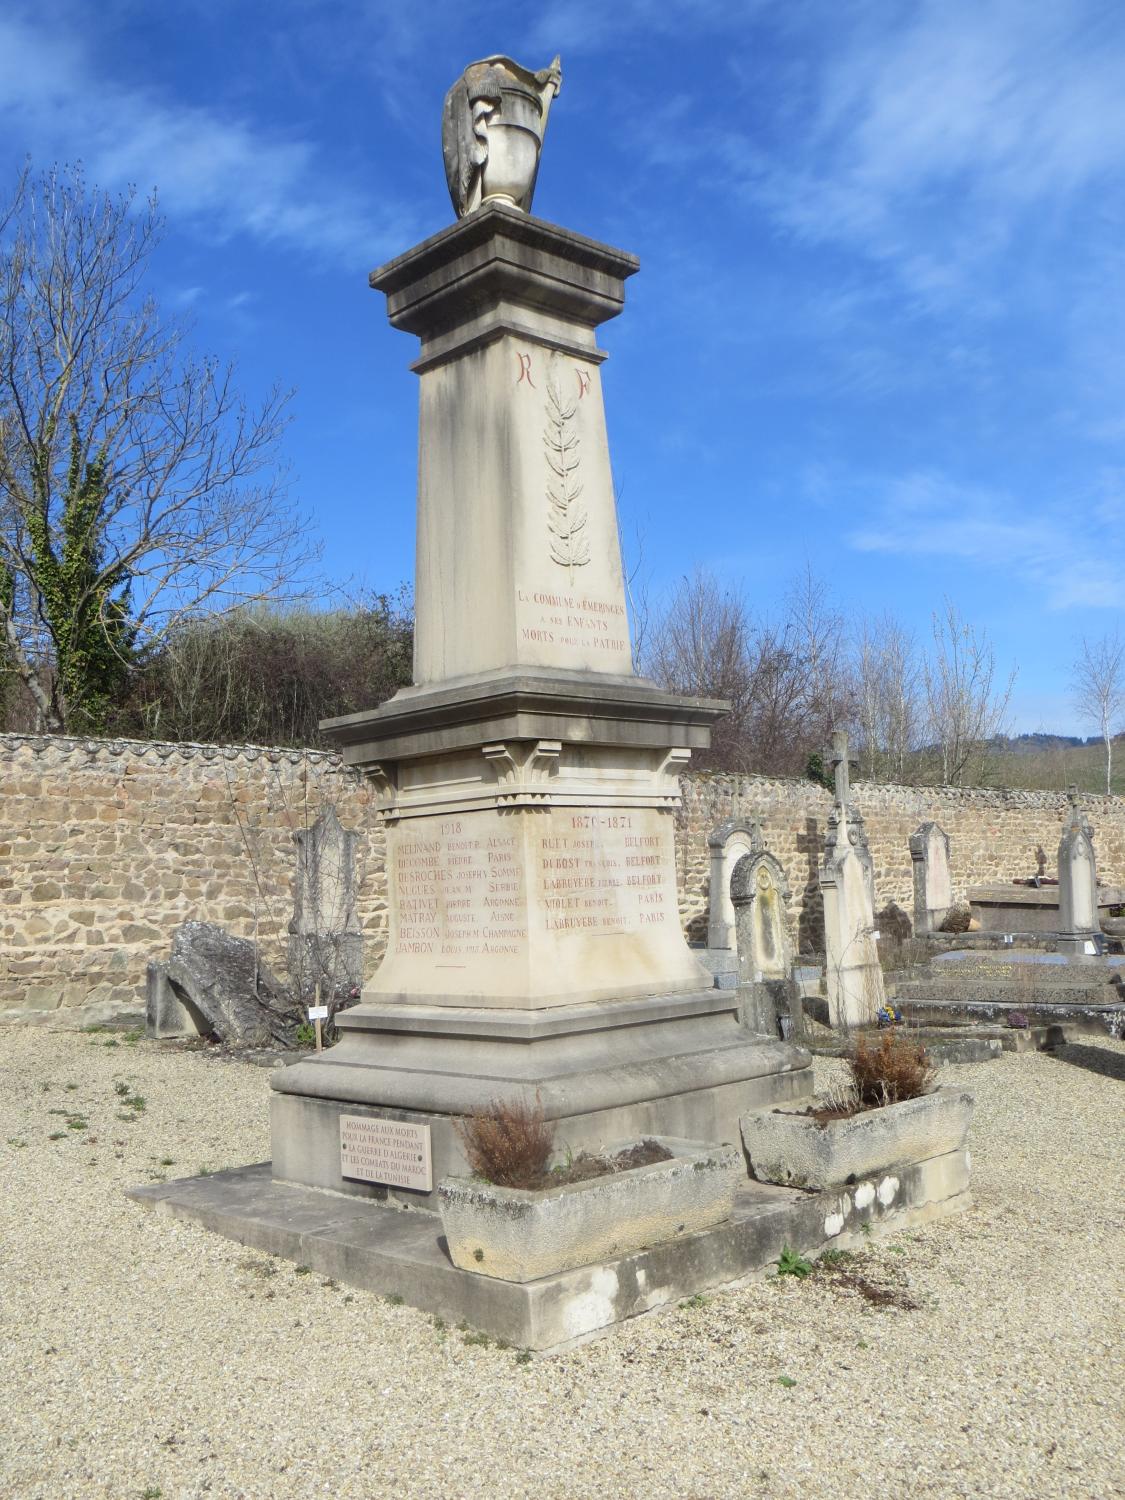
x,y
566,519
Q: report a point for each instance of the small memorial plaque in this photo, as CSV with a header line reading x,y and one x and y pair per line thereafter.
x,y
395,1153
318,1012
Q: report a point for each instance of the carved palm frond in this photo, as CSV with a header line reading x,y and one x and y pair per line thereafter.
x,y
566,519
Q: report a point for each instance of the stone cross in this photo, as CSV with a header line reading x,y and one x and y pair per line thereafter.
x,y
838,760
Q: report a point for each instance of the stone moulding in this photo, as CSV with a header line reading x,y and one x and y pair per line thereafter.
x,y
797,1151
511,1234
530,773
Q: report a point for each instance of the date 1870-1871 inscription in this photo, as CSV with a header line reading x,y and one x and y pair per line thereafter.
x,y
464,888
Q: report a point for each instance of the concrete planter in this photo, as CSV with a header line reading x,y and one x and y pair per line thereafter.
x,y
515,1235
798,1151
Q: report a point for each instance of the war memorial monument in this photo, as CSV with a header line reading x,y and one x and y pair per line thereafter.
x,y
528,783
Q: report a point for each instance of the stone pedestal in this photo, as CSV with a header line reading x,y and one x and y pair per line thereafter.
x,y
528,779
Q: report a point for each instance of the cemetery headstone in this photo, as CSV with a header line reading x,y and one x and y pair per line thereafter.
x,y
1079,923
325,939
933,889
215,984
726,846
759,894
847,881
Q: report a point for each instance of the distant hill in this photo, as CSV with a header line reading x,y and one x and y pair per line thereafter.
x,y
1037,762
1052,761
1032,744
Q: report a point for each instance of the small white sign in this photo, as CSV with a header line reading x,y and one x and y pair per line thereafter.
x,y
395,1153
876,934
318,1012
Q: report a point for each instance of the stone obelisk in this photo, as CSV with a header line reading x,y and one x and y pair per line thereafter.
x,y
529,780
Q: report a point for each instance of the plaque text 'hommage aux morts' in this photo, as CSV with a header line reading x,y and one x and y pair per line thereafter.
x,y
393,1152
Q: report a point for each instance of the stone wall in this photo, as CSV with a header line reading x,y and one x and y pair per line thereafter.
x,y
994,833
105,846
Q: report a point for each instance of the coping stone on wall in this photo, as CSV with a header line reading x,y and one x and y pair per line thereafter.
x,y
67,745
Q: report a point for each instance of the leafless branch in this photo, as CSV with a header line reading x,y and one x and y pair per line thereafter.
x,y
196,516
967,705
1098,691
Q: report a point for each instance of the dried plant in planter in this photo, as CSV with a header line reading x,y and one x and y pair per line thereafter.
x,y
891,1071
957,919
838,1100
509,1144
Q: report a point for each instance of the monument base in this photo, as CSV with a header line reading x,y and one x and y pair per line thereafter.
x,y
403,1255
604,1073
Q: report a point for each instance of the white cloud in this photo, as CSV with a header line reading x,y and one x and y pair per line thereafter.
x,y
186,296
215,169
1060,553
943,140
575,26
930,145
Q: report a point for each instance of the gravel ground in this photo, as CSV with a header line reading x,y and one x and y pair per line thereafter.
x,y
142,1357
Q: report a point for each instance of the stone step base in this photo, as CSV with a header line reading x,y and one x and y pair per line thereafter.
x,y
677,1065
402,1253
1009,992
1065,1019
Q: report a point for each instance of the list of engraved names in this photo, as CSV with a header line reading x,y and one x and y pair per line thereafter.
x,y
464,884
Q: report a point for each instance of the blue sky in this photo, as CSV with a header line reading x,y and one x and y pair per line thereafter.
x,y
879,325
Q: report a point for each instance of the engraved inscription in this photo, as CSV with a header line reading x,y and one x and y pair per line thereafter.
x,y
471,887
602,873
572,619
459,891
393,1152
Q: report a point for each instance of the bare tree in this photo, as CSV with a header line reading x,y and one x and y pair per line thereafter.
x,y
1099,690
137,487
636,592
887,697
779,678
820,637
966,705
701,644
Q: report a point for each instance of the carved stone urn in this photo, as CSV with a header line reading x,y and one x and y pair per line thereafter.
x,y
493,124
